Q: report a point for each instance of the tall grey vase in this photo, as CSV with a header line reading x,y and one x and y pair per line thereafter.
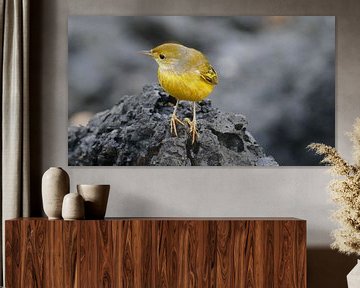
x,y
353,278
55,185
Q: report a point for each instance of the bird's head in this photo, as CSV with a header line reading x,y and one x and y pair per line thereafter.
x,y
168,55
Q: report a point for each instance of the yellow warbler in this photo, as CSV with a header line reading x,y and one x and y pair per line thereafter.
x,y
186,74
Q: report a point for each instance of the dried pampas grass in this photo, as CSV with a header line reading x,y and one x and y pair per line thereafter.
x,y
345,192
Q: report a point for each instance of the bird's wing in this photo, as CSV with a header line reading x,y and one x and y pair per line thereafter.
x,y
208,74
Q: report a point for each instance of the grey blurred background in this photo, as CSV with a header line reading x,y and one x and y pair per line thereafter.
x,y
278,71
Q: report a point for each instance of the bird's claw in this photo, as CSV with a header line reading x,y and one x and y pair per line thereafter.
x,y
193,130
173,122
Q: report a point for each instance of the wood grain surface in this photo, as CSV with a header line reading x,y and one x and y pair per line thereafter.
x,y
161,252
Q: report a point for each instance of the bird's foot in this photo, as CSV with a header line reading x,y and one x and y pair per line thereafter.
x,y
193,130
173,121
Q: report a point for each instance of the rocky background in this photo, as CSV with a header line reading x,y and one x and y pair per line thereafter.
x,y
277,71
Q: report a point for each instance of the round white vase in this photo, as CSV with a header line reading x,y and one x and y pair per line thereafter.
x,y
55,185
353,278
73,207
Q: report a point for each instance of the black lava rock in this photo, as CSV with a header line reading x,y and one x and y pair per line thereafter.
x,y
136,131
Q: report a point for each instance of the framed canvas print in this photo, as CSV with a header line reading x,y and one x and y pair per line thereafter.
x,y
200,91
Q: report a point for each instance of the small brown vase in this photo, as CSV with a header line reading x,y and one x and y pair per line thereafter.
x,y
96,198
73,207
55,185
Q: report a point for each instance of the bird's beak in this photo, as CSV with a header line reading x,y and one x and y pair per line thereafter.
x,y
145,52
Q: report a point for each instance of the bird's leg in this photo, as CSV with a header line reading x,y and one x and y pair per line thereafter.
x,y
192,125
174,120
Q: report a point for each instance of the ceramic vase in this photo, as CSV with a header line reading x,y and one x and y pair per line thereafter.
x,y
353,278
55,185
96,198
73,207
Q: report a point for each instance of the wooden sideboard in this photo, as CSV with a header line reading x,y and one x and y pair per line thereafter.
x,y
156,252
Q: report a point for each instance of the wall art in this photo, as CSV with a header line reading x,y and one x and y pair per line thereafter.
x,y
200,91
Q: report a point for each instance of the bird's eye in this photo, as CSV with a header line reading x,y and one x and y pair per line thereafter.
x,y
162,56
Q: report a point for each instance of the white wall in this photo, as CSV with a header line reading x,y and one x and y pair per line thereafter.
x,y
284,191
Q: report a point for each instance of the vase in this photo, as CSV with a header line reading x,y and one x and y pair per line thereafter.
x,y
55,185
73,207
353,278
96,198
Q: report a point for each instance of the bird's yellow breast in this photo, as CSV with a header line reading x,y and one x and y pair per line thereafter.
x,y
185,86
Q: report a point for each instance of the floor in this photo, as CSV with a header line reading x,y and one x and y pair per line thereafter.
x,y
328,268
